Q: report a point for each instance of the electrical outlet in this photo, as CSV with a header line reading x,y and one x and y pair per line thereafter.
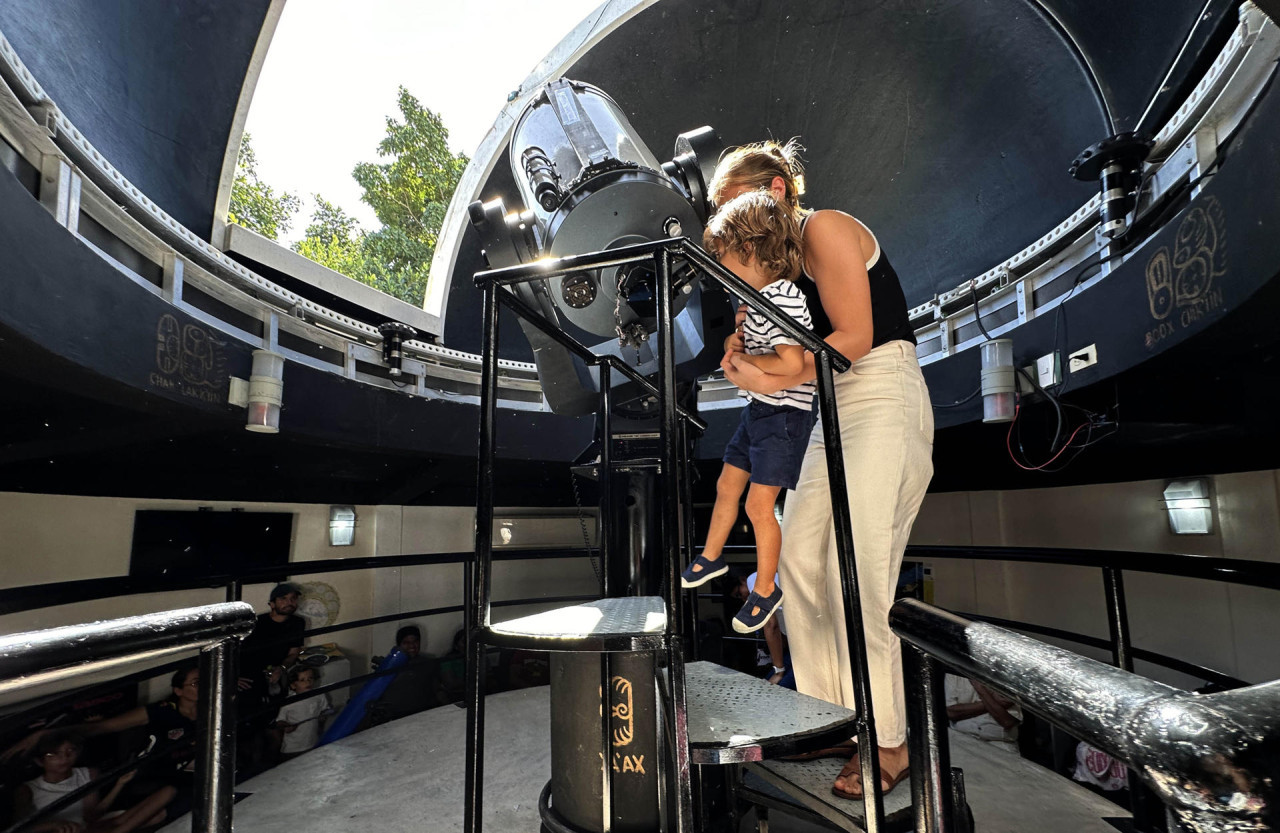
x,y
1082,358
1048,371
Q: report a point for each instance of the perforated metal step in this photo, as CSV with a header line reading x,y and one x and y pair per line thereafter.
x,y
809,783
635,623
734,717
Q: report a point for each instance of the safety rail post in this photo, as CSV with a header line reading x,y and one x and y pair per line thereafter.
x,y
605,528
1122,657
1117,618
872,799
216,733
671,456
930,752
478,598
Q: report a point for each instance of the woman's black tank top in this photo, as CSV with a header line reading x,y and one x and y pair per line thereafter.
x,y
888,305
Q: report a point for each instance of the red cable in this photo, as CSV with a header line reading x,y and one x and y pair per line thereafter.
x,y
1008,443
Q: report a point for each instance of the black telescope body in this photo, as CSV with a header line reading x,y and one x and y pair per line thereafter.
x,y
589,184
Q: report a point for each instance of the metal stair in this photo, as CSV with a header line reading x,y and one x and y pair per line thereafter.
x,y
633,623
737,718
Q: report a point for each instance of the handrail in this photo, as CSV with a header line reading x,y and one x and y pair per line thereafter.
x,y
1234,570
38,657
1210,758
32,596
9,721
682,246
1190,669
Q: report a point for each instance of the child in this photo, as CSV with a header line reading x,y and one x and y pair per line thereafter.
x,y
56,753
759,241
300,719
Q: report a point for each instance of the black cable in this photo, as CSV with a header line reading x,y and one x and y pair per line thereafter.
x,y
963,401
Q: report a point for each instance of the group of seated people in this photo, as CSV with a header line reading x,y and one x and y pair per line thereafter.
x,y
158,789
279,723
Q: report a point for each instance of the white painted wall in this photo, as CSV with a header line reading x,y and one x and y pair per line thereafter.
x,y
48,538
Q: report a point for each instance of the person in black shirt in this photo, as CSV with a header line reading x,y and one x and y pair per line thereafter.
x,y
273,646
265,656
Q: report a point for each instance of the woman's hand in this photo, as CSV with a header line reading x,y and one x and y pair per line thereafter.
x,y
747,376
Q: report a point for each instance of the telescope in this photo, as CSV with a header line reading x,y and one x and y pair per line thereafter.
x,y
588,184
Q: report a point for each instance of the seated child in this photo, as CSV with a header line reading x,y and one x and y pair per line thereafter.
x,y
759,241
300,719
57,753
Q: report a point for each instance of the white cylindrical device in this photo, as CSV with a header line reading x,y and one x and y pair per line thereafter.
x,y
997,380
266,391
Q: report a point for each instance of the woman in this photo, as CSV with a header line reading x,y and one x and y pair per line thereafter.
x,y
886,431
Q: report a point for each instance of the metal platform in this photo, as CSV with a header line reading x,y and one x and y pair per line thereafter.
x,y
1008,794
735,718
635,623
406,776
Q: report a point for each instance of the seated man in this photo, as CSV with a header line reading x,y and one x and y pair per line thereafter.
x,y
414,688
976,710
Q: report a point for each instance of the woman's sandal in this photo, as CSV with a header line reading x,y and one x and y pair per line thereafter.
x,y
887,783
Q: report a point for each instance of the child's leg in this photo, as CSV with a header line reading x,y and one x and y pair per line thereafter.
x,y
150,810
760,503
729,488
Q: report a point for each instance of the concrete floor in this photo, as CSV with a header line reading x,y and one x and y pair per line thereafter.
x,y
407,776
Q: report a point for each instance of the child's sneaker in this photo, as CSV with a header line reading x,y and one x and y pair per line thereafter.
x,y
763,606
710,569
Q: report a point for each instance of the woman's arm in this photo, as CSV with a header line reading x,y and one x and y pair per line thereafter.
x,y
836,248
125,720
785,360
118,723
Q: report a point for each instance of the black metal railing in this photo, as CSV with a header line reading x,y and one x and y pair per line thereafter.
x,y
28,660
495,285
1210,758
1114,564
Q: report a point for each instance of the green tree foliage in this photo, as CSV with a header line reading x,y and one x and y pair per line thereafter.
x,y
334,239
409,194
254,204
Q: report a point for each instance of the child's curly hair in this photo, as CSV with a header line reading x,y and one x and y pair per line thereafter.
x,y
755,224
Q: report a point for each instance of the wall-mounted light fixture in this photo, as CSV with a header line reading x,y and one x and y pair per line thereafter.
x,y
1190,507
997,380
342,526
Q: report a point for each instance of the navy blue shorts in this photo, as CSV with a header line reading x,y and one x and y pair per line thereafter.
x,y
770,443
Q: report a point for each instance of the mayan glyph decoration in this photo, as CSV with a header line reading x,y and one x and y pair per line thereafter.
x,y
1183,281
